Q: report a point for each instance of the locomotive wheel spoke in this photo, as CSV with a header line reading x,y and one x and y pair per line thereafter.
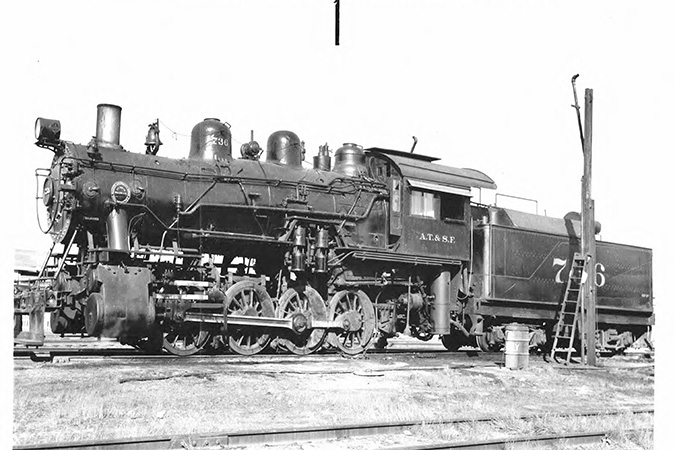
x,y
307,301
356,308
235,305
241,301
244,298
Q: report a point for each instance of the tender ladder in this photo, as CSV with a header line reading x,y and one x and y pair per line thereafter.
x,y
568,319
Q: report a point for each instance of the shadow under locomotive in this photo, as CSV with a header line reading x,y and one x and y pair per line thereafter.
x,y
213,251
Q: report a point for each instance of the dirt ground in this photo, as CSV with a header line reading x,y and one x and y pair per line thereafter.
x,y
74,399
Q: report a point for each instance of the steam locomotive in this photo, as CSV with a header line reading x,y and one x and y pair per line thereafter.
x,y
214,251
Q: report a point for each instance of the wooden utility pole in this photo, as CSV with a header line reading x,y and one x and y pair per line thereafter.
x,y
588,233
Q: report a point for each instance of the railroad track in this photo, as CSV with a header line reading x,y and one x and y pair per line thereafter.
x,y
108,347
92,347
49,353
131,356
212,441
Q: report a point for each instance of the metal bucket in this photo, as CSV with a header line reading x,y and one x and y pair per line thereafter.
x,y
517,347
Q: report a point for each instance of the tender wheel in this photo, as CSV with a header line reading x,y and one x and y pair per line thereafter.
x,y
421,335
491,341
247,298
184,339
307,301
482,343
453,341
354,309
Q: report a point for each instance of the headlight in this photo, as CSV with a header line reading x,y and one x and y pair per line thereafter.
x,y
47,131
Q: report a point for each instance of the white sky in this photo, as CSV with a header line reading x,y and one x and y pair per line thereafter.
x,y
481,84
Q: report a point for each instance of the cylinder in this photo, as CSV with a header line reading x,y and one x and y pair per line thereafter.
x,y
118,230
211,140
517,347
284,147
442,302
108,119
122,308
350,159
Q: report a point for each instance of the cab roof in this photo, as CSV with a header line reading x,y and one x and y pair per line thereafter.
x,y
421,167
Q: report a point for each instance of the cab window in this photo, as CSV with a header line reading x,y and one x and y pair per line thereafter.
x,y
452,207
424,204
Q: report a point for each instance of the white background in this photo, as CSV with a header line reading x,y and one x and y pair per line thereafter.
x,y
481,84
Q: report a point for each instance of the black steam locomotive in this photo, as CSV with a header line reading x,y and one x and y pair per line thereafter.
x,y
213,251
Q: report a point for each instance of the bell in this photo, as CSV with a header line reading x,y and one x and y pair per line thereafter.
x,y
152,141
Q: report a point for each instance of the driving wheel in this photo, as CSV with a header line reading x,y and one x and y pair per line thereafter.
x,y
354,310
306,301
248,298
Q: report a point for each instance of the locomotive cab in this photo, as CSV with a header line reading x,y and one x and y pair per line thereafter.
x,y
430,224
429,211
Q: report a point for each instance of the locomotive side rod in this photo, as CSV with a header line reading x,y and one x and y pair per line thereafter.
x,y
297,323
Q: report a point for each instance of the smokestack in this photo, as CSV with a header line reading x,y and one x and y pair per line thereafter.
x,y
108,125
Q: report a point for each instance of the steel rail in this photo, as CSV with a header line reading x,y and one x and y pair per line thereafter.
x,y
523,442
65,349
287,435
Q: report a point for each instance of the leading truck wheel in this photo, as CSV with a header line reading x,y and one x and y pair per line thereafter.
x,y
353,309
247,298
186,339
153,343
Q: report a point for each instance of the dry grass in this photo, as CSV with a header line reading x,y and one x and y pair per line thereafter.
x,y
71,401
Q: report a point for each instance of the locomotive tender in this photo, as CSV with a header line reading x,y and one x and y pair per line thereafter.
x,y
214,250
